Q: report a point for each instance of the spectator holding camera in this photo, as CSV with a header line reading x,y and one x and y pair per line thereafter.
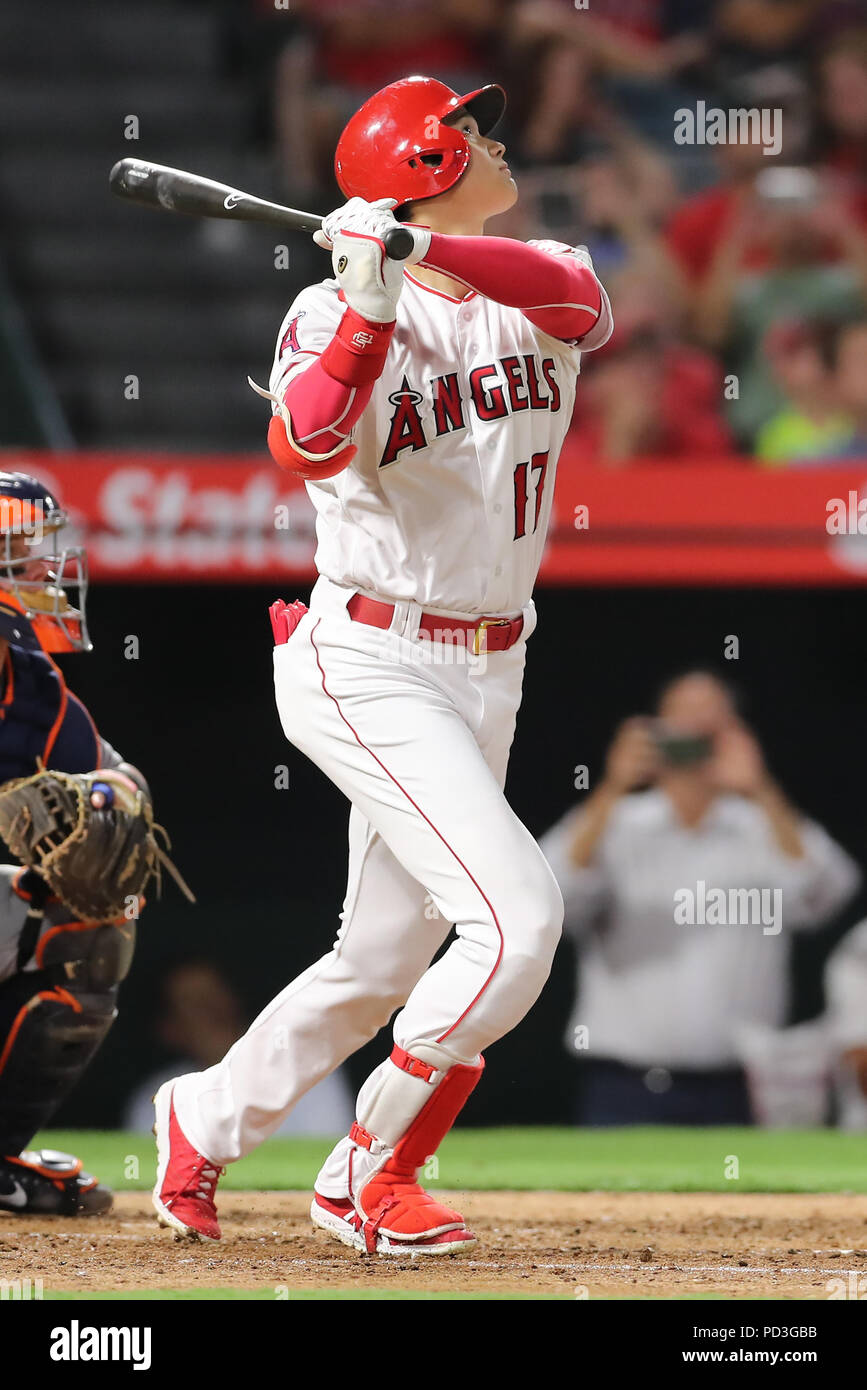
x,y
686,815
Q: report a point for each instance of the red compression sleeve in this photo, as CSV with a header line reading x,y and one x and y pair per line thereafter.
x,y
327,398
557,293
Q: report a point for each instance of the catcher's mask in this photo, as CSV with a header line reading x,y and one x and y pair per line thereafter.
x,y
42,588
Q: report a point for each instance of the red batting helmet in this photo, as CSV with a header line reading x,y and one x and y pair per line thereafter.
x,y
396,145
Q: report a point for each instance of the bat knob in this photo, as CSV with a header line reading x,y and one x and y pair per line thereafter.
x,y
398,243
116,177
126,175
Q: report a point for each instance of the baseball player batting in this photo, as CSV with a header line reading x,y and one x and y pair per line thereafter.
x,y
425,403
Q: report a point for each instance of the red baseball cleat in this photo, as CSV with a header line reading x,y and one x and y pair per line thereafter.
x,y
183,1197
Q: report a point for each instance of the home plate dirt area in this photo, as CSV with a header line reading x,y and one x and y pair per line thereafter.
x,y
572,1245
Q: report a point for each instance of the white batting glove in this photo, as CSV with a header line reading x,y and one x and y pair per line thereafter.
x,y
370,281
371,219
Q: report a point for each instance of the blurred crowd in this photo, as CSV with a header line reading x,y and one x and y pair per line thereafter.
x,y
738,270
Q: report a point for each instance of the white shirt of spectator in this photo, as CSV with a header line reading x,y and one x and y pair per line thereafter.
x,y
447,501
655,993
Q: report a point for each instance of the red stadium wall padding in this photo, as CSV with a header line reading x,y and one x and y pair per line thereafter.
x,y
210,518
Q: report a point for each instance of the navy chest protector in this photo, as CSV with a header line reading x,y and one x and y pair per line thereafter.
x,y
38,719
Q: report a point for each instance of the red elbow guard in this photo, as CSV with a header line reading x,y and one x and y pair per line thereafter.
x,y
283,453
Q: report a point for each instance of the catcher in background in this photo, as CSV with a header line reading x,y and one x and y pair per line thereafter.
x,y
67,932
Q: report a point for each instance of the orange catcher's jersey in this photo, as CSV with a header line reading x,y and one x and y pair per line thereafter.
x,y
448,499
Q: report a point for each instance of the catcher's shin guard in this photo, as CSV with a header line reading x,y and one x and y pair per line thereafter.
x,y
54,1018
387,1211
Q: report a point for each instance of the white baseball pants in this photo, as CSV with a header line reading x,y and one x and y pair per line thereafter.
x,y
417,734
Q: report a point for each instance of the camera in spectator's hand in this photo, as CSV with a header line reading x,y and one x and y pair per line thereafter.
x,y
678,748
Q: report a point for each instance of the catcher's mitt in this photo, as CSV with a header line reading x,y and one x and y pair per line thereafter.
x,y
95,858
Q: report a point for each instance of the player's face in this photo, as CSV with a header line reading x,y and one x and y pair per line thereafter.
x,y
487,187
37,567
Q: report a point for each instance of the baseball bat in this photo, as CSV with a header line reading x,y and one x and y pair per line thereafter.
x,y
176,190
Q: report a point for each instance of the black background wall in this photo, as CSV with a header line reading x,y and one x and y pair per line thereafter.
x,y
196,712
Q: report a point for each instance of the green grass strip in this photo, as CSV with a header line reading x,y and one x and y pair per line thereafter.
x,y
567,1160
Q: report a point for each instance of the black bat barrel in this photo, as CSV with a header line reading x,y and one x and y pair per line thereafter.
x,y
156,185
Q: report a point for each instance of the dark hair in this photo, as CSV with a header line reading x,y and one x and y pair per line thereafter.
x,y
732,689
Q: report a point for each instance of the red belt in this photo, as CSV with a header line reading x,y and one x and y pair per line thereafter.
x,y
488,634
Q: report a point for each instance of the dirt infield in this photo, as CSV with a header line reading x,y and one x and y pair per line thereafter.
x,y
626,1245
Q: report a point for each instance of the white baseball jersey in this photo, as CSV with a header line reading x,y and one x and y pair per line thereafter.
x,y
448,498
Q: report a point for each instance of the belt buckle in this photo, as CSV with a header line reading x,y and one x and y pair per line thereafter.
x,y
483,627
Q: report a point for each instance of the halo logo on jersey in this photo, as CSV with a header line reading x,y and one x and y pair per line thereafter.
x,y
406,430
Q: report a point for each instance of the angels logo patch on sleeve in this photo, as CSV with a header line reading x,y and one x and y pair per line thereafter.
x,y
289,342
306,331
